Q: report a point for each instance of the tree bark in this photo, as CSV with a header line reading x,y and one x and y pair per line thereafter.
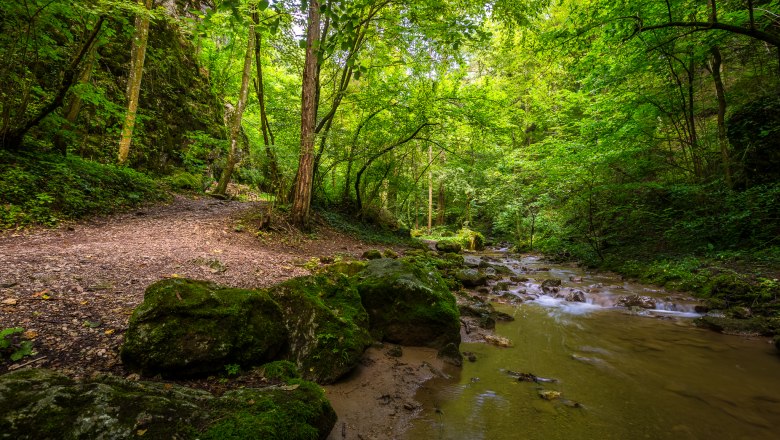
x,y
137,57
273,175
235,120
301,208
74,105
430,188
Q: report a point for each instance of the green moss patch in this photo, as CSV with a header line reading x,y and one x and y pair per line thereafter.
x,y
42,404
408,303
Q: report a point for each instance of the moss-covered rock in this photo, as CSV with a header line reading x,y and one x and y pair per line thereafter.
x,y
408,304
326,323
471,277
471,240
372,254
756,325
187,327
348,268
42,404
447,246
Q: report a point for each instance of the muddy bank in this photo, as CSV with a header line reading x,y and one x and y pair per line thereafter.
x,y
377,401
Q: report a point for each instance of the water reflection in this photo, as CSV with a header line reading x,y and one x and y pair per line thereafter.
x,y
647,374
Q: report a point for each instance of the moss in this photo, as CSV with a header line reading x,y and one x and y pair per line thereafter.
x,y
187,327
471,240
282,371
297,411
448,246
372,254
348,268
756,325
41,404
409,303
327,324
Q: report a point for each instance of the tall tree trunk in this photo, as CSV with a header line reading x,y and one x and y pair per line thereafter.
x,y
273,175
723,140
692,120
137,57
238,113
301,208
440,214
430,188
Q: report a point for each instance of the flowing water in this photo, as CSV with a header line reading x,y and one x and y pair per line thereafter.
x,y
621,374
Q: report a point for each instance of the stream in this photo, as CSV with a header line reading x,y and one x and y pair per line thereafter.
x,y
617,373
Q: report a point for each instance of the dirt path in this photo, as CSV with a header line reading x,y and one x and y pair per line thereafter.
x,y
73,288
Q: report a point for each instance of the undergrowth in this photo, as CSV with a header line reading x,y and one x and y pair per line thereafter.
x,y
43,189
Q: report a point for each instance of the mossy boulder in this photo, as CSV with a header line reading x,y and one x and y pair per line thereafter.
x,y
187,327
348,268
408,304
448,246
758,325
326,323
471,277
372,254
471,240
42,404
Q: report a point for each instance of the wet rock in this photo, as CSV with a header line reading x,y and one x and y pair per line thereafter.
x,y
470,356
483,290
502,286
408,304
643,302
757,325
576,296
42,404
471,277
575,279
549,395
372,254
451,354
186,327
739,312
448,246
395,351
498,341
518,279
551,285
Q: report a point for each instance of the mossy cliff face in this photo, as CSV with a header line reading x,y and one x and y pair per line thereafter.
x,y
42,404
187,327
326,323
408,304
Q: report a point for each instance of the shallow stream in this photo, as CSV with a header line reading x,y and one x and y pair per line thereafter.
x,y
618,373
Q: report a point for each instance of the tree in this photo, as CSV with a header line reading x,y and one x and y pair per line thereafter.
x,y
236,115
301,208
137,57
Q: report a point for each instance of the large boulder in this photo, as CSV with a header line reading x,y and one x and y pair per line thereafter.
x,y
471,277
187,327
448,246
326,323
408,304
41,404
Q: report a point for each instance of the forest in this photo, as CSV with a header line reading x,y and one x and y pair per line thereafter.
x,y
640,137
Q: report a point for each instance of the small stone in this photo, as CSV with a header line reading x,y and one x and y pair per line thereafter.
x,y
10,301
550,395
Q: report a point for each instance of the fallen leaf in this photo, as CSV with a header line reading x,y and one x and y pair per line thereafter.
x,y
109,331
83,303
30,334
10,301
141,432
175,275
92,324
178,296
168,386
43,292
289,387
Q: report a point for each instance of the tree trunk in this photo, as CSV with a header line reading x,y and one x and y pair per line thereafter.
x,y
302,200
235,120
272,171
723,141
430,188
137,56
440,217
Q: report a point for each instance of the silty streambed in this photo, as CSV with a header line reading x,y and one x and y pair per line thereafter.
x,y
621,374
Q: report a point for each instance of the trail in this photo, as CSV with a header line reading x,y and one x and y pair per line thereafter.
x,y
73,288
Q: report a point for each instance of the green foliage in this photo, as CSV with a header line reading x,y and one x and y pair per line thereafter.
x,y
12,346
369,233
45,188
